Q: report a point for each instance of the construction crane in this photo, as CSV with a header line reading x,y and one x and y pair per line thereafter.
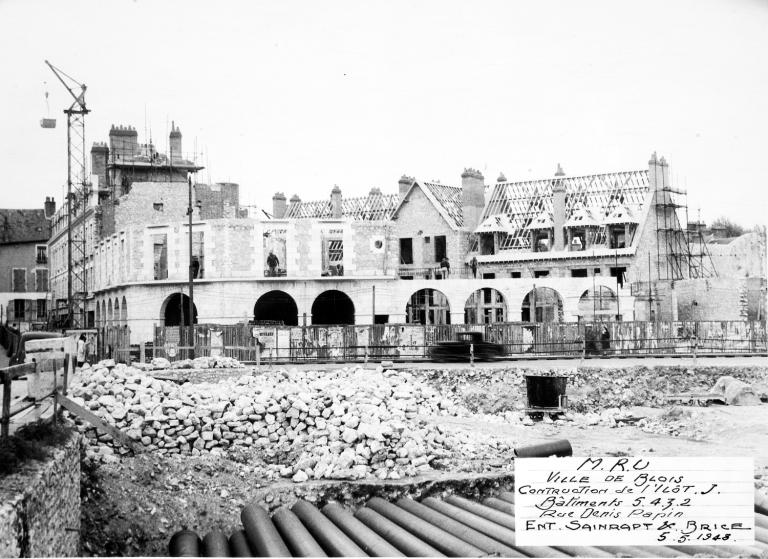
x,y
78,194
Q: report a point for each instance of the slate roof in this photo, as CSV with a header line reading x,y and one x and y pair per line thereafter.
x,y
23,226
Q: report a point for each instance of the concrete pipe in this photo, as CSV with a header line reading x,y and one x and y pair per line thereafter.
x,y
508,496
434,536
238,544
702,550
761,503
263,538
503,506
215,544
488,513
761,534
555,448
184,543
489,528
403,540
295,535
368,540
461,531
660,551
761,520
332,539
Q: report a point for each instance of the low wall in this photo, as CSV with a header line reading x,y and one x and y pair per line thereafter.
x,y
40,506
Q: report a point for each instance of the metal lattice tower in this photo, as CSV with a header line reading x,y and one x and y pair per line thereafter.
x,y
78,195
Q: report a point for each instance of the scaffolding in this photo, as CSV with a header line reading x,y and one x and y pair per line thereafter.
x,y
680,253
522,203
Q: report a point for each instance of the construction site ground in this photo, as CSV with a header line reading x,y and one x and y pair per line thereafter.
x,y
133,505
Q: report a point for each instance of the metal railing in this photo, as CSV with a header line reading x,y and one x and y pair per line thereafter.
x,y
411,342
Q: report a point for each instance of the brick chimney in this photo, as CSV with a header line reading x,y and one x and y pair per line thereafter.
x,y
123,142
336,202
49,206
279,206
295,201
99,157
174,143
656,176
472,197
558,208
404,184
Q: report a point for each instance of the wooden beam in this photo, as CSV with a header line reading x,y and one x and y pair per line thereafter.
x,y
97,422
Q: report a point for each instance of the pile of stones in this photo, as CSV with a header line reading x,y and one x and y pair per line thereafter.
x,y
344,424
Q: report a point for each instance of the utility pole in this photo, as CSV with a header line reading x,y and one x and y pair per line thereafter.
x,y
618,297
191,276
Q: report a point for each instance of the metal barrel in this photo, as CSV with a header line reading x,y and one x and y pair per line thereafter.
x,y
555,448
184,543
332,539
434,536
506,520
295,535
490,528
263,538
215,544
462,531
403,540
370,542
238,544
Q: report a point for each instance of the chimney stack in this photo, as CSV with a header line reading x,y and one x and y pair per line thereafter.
x,y
49,206
656,172
295,201
279,206
123,142
336,212
99,158
174,141
558,208
472,197
404,184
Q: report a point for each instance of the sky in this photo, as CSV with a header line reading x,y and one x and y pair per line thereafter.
x,y
299,96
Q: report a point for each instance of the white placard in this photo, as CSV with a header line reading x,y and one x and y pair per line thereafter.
x,y
634,501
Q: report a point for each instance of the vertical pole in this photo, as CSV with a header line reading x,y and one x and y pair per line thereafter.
x,y
70,303
618,298
650,296
191,293
373,305
55,393
6,404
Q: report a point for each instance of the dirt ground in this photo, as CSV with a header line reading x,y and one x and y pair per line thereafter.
x,y
132,507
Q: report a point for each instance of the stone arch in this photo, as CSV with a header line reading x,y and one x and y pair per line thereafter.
x,y
124,312
428,306
598,303
117,312
109,313
485,306
98,314
103,313
333,307
276,306
175,310
542,304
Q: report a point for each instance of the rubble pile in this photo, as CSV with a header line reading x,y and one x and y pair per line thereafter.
x,y
161,363
343,424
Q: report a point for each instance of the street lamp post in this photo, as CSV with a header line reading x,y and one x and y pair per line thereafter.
x,y
191,313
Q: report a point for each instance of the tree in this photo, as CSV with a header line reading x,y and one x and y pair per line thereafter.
x,y
731,229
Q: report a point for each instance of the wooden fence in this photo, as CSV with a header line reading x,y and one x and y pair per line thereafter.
x,y
411,341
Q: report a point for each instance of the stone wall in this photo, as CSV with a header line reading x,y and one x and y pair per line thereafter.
x,y
40,506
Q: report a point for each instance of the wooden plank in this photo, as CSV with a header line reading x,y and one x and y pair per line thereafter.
x,y
6,417
18,370
97,422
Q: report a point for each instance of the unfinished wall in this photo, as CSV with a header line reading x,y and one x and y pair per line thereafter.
x,y
40,507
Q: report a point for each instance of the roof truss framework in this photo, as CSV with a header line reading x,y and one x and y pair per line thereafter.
x,y
522,202
374,207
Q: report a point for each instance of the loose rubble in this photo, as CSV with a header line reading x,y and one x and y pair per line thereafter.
x,y
345,424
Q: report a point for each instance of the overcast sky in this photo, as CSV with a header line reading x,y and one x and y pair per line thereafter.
x,y
299,96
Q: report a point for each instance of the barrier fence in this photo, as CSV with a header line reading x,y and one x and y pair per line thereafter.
x,y
410,342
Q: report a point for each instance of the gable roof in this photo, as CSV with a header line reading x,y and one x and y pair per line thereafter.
x,y
366,208
24,226
446,200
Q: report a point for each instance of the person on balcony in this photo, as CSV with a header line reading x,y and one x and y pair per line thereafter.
x,y
473,265
445,267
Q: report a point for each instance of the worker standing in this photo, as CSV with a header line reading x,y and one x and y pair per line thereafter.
x,y
473,265
273,263
445,265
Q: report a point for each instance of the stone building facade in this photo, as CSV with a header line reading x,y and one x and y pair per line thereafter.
x,y
24,276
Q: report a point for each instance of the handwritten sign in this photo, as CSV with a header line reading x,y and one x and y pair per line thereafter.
x,y
634,501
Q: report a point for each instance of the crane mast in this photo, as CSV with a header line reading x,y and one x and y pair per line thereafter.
x,y
78,196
